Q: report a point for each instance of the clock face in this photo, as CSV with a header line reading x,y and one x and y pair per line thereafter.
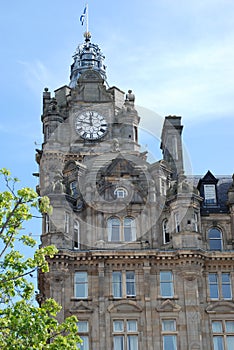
x,y
90,125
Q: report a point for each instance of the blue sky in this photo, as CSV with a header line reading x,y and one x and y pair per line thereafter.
x,y
176,55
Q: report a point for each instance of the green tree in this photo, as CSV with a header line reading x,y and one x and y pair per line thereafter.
x,y
24,325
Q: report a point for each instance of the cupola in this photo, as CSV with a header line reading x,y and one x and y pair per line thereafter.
x,y
87,56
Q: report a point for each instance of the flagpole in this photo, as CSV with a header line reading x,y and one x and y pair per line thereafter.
x,y
87,18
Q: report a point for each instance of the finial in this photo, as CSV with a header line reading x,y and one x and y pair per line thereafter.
x,y
87,36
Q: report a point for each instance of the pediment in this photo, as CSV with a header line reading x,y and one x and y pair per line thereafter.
x,y
124,307
221,307
81,307
168,306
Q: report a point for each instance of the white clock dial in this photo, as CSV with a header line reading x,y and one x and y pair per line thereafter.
x,y
90,125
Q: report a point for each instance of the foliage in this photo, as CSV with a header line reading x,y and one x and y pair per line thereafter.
x,y
23,325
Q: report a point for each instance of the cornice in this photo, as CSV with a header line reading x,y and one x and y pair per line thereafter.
x,y
178,257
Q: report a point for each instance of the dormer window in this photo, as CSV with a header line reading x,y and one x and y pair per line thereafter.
x,y
210,195
120,192
207,187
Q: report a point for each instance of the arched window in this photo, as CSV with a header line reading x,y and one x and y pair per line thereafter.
x,y
76,239
121,230
113,225
166,236
120,192
129,229
215,239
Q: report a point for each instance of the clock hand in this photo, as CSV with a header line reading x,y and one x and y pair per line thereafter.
x,y
90,121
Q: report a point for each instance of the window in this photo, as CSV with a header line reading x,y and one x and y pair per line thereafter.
x,y
123,284
166,284
177,222
76,241
81,285
220,286
169,335
195,222
223,335
47,223
125,334
210,195
163,187
66,223
73,189
121,230
215,239
129,229
120,192
166,235
83,330
113,225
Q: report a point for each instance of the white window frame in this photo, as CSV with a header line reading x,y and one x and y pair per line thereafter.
x,y
195,221
84,334
67,222
166,234
123,284
81,279
210,197
47,223
169,332
218,287
213,239
177,222
125,334
222,334
166,281
76,240
119,229
163,186
120,192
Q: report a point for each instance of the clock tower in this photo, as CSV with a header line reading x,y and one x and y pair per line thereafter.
x,y
131,235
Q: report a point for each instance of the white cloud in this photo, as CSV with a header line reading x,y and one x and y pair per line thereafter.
x,y
36,74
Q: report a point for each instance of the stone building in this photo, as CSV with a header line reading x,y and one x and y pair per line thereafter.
x,y
145,255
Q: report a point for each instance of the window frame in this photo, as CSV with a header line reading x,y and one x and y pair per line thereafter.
x,y
76,234
177,222
166,284
83,283
47,223
124,287
169,333
223,334
166,233
215,239
84,334
73,188
217,285
210,195
66,222
120,190
125,334
118,229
